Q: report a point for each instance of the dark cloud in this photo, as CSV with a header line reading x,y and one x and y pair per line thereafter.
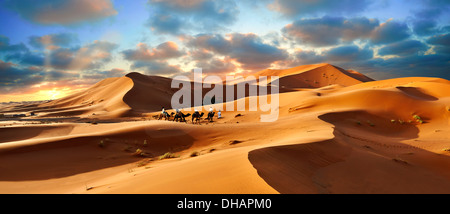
x,y
156,68
179,16
201,54
305,57
252,53
338,55
216,66
212,42
62,11
5,47
15,78
432,65
390,32
404,48
441,43
247,49
19,53
348,53
430,9
425,27
209,62
103,74
425,20
166,24
89,56
327,31
442,40
163,51
153,61
295,8
27,58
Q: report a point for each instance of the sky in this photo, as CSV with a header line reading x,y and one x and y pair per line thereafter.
x,y
52,48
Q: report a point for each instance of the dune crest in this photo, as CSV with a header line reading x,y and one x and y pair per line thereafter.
x,y
346,133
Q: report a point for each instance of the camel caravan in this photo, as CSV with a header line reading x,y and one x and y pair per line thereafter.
x,y
179,116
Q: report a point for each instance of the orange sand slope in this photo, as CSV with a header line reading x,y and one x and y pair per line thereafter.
x,y
347,135
135,93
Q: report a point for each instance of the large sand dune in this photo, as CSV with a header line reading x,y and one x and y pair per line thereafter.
x,y
338,131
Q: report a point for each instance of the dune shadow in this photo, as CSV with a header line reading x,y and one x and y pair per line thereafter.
x,y
10,134
361,158
57,159
416,93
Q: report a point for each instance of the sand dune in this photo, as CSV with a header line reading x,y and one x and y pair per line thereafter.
x,y
315,76
344,134
129,95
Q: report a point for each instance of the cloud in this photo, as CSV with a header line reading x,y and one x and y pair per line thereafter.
x,y
19,53
153,61
432,65
27,58
430,9
329,31
348,53
253,53
295,8
5,47
177,17
249,50
163,51
212,42
16,79
425,20
62,12
13,77
424,27
200,54
340,54
441,43
89,56
404,48
103,74
211,62
305,57
52,41
389,32
442,39
166,24
217,66
156,68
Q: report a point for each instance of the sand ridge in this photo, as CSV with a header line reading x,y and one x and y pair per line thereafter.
x,y
350,134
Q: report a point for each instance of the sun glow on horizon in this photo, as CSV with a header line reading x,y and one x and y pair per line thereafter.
x,y
40,95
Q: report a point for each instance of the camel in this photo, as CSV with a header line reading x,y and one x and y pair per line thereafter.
x,y
197,116
164,115
210,116
181,116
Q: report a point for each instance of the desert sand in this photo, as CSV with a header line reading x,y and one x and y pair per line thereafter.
x,y
338,131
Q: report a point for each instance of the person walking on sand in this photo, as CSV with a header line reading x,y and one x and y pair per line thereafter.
x,y
163,114
219,114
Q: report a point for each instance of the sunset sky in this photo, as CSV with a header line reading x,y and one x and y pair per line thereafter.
x,y
51,48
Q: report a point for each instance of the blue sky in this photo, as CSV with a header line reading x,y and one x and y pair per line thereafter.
x,y
51,48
